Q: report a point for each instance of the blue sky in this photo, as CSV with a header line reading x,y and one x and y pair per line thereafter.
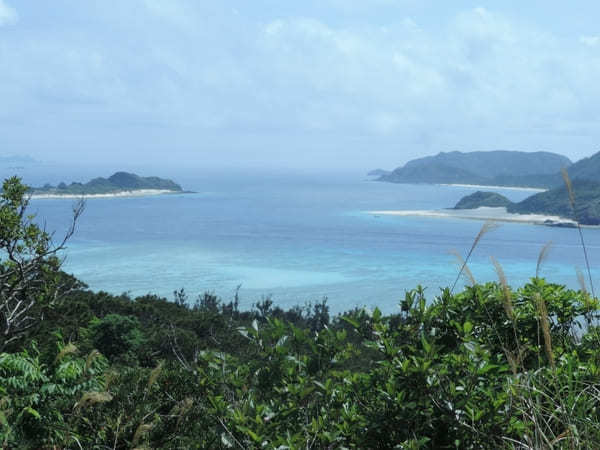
x,y
296,84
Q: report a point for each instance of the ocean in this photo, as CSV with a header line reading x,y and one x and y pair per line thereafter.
x,y
294,237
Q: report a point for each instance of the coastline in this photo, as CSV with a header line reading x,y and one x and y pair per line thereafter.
x,y
498,214
484,186
120,194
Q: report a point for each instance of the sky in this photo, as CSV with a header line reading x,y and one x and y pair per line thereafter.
x,y
312,83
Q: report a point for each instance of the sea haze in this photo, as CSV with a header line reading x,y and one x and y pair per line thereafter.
x,y
295,237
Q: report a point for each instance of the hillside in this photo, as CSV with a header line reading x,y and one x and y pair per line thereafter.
x,y
480,198
586,168
118,182
554,202
500,167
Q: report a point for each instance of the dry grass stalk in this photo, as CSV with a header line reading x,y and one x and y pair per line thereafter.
x,y
92,398
109,377
545,323
66,350
571,193
512,361
569,186
154,375
506,295
184,406
94,354
486,228
542,257
141,430
581,280
466,270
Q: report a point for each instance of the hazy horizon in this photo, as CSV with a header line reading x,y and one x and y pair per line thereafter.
x,y
324,84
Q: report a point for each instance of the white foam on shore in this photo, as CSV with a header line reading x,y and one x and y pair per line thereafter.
x,y
482,213
482,186
135,193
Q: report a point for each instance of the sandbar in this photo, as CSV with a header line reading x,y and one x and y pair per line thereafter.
x,y
134,193
498,214
483,186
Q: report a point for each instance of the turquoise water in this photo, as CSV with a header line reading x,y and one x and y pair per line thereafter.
x,y
296,238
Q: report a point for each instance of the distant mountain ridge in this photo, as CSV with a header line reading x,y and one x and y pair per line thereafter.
x,y
118,182
498,167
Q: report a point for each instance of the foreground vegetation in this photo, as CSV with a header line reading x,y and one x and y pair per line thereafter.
x,y
468,371
490,367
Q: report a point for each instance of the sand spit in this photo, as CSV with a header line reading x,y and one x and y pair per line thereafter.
x,y
482,186
483,213
135,193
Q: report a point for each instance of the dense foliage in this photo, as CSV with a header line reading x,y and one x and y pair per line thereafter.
x,y
30,281
488,367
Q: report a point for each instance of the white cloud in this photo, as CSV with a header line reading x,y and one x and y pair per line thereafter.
x,y
8,14
478,79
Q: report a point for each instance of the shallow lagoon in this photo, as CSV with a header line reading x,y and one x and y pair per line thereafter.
x,y
296,237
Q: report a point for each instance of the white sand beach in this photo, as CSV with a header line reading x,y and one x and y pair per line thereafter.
x,y
135,193
483,213
482,186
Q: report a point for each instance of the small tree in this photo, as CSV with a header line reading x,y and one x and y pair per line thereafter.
x,y
30,277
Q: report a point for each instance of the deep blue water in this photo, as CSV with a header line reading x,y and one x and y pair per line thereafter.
x,y
296,237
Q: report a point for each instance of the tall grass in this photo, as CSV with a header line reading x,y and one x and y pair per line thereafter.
x,y
486,228
559,406
542,257
463,265
571,194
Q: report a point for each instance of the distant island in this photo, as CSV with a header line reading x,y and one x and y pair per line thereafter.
x,y
378,173
493,168
119,184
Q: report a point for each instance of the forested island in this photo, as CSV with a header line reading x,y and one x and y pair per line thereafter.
x,y
118,183
489,367
583,206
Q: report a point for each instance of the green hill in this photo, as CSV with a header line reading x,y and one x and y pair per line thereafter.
x,y
481,198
